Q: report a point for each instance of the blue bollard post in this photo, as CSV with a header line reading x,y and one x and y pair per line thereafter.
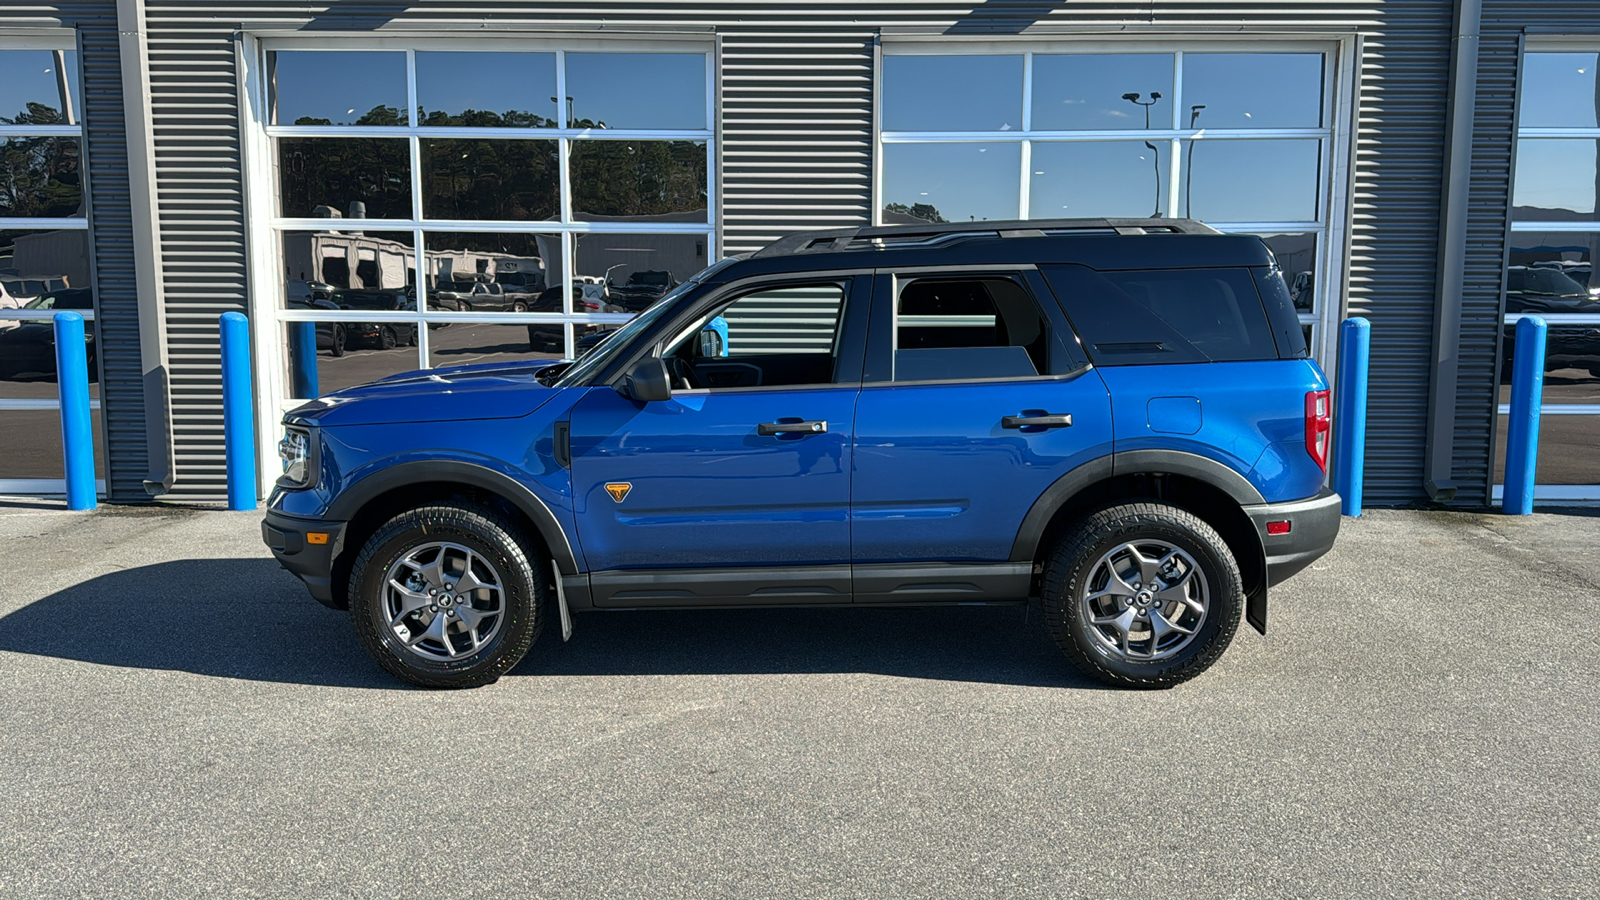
x,y
1522,432
238,412
303,359
72,386
1350,413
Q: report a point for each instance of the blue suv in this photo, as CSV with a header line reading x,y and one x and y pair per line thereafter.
x,y
1115,420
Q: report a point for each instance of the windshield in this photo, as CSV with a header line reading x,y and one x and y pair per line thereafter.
x,y
622,338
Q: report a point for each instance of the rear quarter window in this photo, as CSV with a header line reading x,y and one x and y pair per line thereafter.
x,y
1163,316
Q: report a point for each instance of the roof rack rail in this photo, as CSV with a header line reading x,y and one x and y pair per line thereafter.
x,y
915,236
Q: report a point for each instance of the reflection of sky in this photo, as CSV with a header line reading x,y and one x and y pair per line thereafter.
x,y
1559,90
495,82
338,86
1253,90
1250,181
963,181
1084,92
639,90
1556,174
952,93
30,75
1095,178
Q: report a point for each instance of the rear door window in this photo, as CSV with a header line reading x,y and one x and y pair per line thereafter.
x,y
969,328
1160,316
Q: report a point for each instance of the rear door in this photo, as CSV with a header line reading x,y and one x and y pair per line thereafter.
x,y
974,401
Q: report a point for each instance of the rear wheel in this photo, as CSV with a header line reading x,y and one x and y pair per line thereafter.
x,y
1142,595
387,339
338,341
445,596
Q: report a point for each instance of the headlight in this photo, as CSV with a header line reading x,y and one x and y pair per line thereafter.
x,y
295,451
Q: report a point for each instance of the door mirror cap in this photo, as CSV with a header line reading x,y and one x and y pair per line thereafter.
x,y
646,381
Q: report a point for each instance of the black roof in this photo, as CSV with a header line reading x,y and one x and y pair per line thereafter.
x,y
1105,244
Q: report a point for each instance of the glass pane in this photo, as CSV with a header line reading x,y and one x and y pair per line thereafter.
x,y
486,90
492,272
1297,257
637,90
466,344
784,320
1556,181
1102,92
1552,272
1569,450
1099,178
317,87
482,179
31,87
323,357
34,263
1250,181
968,328
30,444
1252,90
1308,330
646,181
318,265
626,273
39,177
1560,90
951,182
952,93
344,177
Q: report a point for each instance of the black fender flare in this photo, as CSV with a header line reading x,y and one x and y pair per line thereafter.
x,y
352,499
1169,462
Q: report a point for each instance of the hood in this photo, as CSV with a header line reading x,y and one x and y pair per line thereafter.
x,y
451,394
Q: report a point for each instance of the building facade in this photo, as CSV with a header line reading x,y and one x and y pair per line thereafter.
x,y
382,187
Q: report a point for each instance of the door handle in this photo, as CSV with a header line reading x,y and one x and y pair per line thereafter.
x,y
1048,420
770,428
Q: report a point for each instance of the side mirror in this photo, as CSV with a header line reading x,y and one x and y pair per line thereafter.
x,y
646,381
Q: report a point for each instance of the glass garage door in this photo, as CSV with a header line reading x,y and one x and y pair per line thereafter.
x,y
1239,136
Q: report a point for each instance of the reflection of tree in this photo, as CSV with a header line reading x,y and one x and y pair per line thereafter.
x,y
638,178
39,176
491,179
924,211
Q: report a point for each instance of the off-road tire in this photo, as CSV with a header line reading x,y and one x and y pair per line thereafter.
x,y
1080,549
526,590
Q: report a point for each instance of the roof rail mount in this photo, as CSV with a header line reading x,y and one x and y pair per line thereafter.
x,y
908,236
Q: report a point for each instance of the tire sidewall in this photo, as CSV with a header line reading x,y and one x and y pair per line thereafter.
x,y
1222,613
367,602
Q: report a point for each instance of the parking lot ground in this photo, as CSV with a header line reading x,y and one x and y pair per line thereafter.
x,y
181,719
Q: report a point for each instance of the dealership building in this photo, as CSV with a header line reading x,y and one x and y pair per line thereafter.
x,y
386,186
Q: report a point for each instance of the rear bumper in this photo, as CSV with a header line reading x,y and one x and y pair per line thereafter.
x,y
1313,526
291,540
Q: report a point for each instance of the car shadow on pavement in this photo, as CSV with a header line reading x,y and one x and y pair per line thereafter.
x,y
249,619
991,644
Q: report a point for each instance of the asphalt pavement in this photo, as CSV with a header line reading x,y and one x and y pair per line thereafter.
x,y
182,720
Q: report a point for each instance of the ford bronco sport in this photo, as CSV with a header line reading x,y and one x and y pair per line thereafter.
x,y
1113,419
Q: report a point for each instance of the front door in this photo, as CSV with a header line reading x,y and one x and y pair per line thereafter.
x,y
974,403
746,466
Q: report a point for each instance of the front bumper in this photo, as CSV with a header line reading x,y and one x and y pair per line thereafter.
x,y
1313,525
307,547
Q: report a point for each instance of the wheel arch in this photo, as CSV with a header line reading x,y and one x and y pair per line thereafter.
x,y
1204,487
373,500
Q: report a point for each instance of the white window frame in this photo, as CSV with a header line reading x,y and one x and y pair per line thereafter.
x,y
1331,226
1582,493
265,226
56,39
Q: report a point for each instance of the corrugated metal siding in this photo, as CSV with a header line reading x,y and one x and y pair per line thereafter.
x,y
117,301
796,83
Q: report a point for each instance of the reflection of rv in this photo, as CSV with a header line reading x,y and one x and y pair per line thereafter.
x,y
354,261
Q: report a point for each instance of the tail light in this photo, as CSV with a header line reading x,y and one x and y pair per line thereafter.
x,y
1319,427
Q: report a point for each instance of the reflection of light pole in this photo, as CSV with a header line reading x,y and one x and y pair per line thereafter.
x,y
570,117
1155,155
1188,167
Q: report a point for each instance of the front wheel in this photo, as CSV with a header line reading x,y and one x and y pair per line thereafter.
x,y
1142,595
387,339
445,596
